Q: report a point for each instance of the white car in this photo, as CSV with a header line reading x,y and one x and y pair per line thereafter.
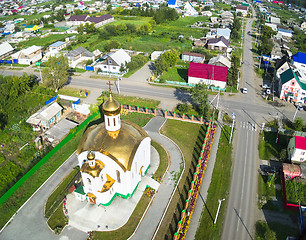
x,y
244,90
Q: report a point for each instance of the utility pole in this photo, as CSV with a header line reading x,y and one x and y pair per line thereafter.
x,y
220,201
233,114
295,114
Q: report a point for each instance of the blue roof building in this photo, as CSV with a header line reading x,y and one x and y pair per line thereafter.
x,y
57,45
172,3
300,57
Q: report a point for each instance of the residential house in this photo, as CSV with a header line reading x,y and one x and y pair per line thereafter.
x,y
207,13
200,42
272,25
275,20
207,74
297,149
189,10
284,33
5,50
218,44
225,32
291,89
193,57
220,60
76,20
113,63
59,45
45,117
209,3
242,9
156,54
79,56
299,60
29,55
172,4
51,53
31,28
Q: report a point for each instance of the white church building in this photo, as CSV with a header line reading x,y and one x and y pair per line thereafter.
x,y
113,156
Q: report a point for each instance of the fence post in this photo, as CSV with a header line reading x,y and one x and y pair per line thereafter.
x,y
146,110
201,121
183,116
155,112
130,108
192,117
174,115
166,113
138,109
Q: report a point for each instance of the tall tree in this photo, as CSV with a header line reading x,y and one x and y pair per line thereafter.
x,y
55,75
200,98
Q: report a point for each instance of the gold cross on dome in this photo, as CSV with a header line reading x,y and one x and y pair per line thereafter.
x,y
109,86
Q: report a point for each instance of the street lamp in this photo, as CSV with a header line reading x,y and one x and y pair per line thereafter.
x,y
220,201
233,114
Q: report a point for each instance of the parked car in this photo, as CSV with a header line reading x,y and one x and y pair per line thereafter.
x,y
299,107
244,90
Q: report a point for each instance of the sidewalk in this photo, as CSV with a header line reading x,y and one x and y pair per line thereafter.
x,y
153,217
196,217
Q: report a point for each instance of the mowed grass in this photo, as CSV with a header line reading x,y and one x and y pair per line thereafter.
x,y
218,189
137,21
163,160
46,41
281,231
140,118
177,74
189,137
136,101
267,146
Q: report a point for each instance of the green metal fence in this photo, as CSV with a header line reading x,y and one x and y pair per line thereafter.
x,y
46,158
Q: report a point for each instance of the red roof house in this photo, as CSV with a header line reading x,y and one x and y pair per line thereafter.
x,y
297,149
207,74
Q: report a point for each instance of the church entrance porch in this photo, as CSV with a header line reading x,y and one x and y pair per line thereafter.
x,y
86,216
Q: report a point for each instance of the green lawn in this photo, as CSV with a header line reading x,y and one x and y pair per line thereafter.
x,y
219,188
57,196
278,230
266,191
163,163
74,92
45,42
136,20
140,118
136,101
267,146
176,74
58,220
189,137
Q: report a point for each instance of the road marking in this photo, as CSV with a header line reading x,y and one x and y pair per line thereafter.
x,y
244,167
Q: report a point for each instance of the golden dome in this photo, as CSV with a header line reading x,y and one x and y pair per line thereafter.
x,y
91,155
121,150
93,171
111,106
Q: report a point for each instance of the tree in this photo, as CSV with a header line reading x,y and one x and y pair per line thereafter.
x,y
90,28
200,98
298,124
111,44
232,75
239,14
55,74
80,29
283,154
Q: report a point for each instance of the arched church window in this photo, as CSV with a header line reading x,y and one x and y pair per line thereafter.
x,y
102,177
108,121
114,122
89,181
118,176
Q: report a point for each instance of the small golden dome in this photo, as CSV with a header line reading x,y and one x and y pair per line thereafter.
x,y
111,106
91,155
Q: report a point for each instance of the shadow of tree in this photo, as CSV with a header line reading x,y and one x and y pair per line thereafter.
x,y
183,73
183,95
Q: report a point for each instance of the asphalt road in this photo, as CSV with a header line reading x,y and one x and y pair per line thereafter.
x,y
239,221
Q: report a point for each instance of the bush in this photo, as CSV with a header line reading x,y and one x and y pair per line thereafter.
x,y
183,107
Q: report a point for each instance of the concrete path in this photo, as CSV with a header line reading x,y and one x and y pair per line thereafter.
x,y
153,217
200,204
30,222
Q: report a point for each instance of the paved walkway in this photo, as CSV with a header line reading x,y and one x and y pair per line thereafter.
x,y
200,204
154,215
30,222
